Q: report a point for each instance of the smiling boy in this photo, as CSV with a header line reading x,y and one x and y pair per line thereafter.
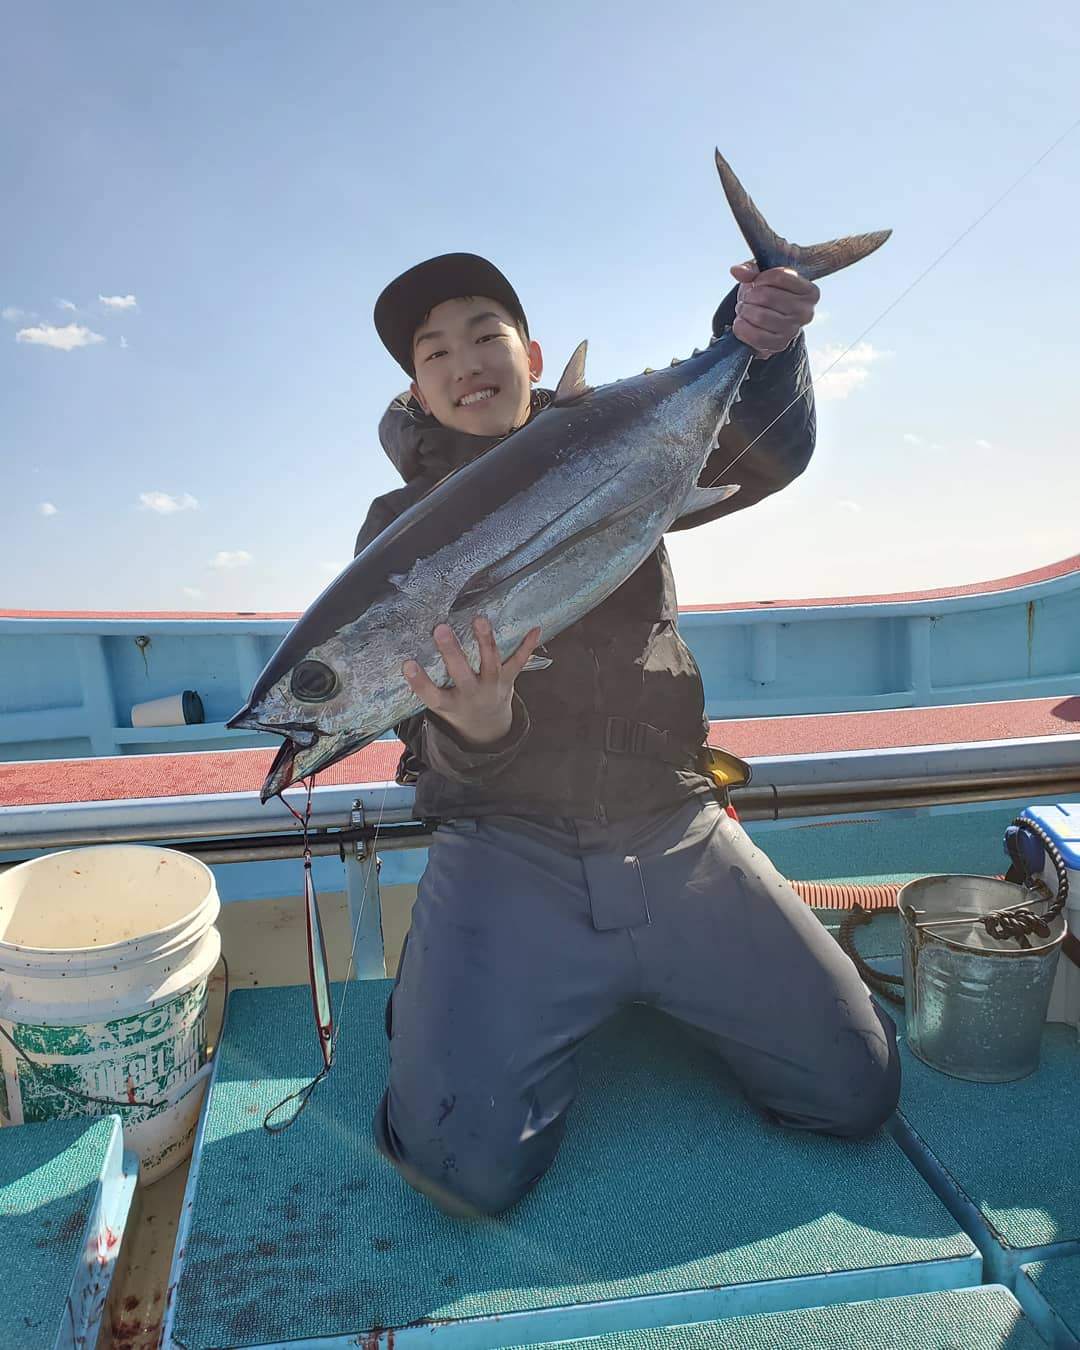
x,y
581,860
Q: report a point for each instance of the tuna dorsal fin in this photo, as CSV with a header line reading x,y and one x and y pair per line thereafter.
x,y
770,250
572,385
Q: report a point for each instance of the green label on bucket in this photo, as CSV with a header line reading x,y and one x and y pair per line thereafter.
x,y
95,1038
131,1065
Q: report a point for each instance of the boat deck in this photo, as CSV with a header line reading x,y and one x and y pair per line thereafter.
x,y
672,1202
66,1188
675,1215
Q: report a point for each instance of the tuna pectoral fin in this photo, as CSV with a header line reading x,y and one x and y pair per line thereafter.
x,y
542,551
770,250
701,499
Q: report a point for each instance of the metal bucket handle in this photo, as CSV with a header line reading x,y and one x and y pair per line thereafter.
x,y
1019,920
1057,904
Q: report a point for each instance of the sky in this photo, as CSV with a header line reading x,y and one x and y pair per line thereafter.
x,y
203,202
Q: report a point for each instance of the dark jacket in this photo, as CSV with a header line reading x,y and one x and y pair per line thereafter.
x,y
612,727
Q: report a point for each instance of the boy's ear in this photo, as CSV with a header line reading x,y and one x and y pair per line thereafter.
x,y
414,389
536,360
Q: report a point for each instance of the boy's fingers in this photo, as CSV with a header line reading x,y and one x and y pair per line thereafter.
x,y
515,662
780,305
763,343
766,320
489,652
429,693
746,271
786,279
457,667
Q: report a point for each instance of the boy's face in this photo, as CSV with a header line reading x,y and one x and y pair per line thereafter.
x,y
473,369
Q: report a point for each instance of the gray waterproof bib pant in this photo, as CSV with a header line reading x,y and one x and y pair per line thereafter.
x,y
528,934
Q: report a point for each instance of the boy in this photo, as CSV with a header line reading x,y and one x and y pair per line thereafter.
x,y
581,860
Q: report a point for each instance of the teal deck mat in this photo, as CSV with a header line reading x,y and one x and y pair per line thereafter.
x,y
667,1182
1058,1282
967,1319
51,1200
895,847
988,1137
879,938
1006,1145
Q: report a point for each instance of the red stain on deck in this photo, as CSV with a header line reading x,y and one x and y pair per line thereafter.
x,y
376,1339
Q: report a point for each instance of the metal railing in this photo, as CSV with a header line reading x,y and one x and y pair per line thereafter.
x,y
240,831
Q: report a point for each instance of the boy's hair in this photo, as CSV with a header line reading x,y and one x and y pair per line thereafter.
x,y
410,298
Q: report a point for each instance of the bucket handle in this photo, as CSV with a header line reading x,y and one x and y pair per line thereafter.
x,y
1019,920
1019,868
170,1099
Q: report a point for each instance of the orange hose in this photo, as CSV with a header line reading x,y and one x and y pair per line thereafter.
x,y
842,895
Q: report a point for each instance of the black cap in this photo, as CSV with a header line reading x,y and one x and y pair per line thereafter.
x,y
409,297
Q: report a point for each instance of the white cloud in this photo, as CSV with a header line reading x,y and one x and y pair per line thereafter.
x,y
225,560
192,592
123,343
116,303
165,505
853,507
911,438
12,313
47,509
842,373
64,339
68,305
982,445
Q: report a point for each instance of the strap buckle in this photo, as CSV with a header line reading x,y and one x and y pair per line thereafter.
x,y
623,737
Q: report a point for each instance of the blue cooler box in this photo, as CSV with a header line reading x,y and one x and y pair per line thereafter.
x,y
1062,824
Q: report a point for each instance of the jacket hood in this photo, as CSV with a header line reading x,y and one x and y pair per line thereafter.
x,y
420,447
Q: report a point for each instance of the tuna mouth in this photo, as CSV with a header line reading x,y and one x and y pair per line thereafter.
x,y
294,762
282,772
243,720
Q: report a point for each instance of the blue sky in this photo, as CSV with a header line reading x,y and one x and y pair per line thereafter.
x,y
204,201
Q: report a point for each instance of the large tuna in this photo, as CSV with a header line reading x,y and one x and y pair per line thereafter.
x,y
537,531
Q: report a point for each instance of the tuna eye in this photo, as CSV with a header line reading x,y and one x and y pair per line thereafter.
x,y
313,682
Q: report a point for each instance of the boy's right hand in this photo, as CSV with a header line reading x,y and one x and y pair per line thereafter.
x,y
478,706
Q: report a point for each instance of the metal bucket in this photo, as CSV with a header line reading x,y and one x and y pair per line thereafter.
x,y
976,1004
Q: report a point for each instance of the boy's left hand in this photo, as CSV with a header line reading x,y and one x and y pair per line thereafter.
x,y
772,307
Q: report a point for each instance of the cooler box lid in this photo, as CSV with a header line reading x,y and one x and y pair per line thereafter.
x,y
1062,824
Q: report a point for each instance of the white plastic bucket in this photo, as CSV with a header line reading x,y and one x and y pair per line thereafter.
x,y
105,955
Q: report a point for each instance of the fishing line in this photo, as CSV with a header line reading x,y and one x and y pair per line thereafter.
x,y
904,293
303,1095
337,1025
373,862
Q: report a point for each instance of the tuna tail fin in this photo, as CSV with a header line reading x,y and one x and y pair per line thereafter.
x,y
770,250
